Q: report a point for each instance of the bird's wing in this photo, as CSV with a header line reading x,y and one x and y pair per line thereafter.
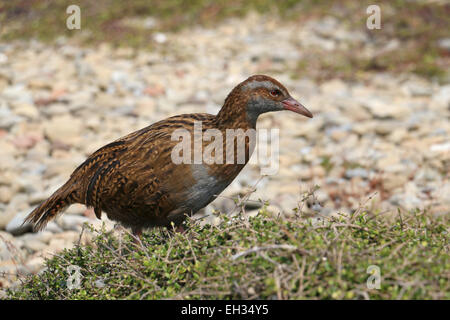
x,y
122,171
135,170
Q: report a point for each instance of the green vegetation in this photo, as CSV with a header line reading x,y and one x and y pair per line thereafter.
x,y
263,257
412,28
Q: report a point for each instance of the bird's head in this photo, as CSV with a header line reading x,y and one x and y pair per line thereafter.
x,y
260,94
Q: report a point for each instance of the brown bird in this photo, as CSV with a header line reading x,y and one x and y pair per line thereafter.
x,y
135,179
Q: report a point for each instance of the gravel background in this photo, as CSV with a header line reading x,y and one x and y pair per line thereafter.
x,y
385,138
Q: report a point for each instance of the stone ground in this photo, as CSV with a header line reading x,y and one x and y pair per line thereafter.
x,y
383,142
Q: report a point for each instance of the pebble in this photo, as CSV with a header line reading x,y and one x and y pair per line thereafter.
x,y
444,43
357,172
64,128
15,226
72,222
5,194
6,239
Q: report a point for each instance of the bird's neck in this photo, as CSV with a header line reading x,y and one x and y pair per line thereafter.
x,y
234,115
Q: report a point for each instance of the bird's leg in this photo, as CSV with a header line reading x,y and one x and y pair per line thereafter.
x,y
175,228
137,234
180,229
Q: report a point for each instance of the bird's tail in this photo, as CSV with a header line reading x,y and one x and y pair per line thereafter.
x,y
49,209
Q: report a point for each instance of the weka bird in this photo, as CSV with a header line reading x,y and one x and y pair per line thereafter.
x,y
134,180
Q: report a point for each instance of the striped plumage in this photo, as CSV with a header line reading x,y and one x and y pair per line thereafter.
x,y
134,180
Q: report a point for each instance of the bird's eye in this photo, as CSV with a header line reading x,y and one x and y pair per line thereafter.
x,y
275,93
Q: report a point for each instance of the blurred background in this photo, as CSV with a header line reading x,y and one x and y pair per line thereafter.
x,y
380,98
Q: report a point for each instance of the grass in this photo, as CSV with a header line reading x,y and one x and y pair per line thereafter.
x,y
263,257
417,25
110,20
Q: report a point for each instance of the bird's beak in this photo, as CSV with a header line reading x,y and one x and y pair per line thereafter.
x,y
295,106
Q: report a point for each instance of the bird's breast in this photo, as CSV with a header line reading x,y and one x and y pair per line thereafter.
x,y
205,188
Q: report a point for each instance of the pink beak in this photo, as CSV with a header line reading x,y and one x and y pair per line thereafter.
x,y
295,106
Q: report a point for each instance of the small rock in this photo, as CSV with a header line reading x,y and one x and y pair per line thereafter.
x,y
5,218
335,87
99,283
6,240
394,181
5,194
56,245
160,37
386,127
35,245
53,227
444,43
389,163
440,147
417,87
274,209
408,199
64,128
7,117
357,172
72,222
384,109
441,99
27,110
16,226
426,174
397,135
35,264
7,267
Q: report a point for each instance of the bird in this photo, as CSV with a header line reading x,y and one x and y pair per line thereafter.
x,y
137,183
